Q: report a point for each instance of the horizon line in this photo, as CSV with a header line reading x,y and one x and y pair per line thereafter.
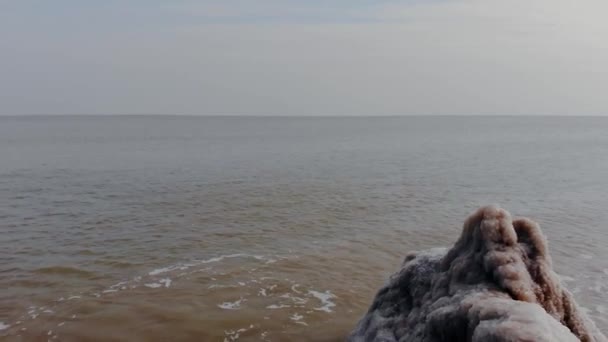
x,y
301,115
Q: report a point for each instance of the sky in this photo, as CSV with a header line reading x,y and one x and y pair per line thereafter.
x,y
313,57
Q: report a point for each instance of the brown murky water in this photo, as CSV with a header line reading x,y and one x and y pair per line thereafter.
x,y
268,229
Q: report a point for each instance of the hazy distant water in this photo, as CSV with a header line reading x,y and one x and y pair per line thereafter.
x,y
185,228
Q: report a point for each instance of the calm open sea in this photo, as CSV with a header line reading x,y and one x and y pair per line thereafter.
x,y
270,229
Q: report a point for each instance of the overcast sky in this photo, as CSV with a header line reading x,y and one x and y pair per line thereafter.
x,y
307,57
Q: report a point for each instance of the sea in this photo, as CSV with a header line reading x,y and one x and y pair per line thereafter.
x,y
184,228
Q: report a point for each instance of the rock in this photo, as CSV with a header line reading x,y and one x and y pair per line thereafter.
x,y
495,284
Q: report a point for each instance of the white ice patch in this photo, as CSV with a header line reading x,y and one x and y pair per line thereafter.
x,y
153,285
4,326
231,305
586,256
325,298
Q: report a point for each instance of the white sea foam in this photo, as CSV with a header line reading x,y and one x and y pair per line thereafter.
x,y
157,278
166,282
233,335
4,326
33,313
231,305
294,288
170,269
297,318
218,286
119,285
325,298
294,299
275,306
596,288
185,266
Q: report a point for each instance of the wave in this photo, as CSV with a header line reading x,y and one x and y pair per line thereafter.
x,y
495,284
64,270
185,266
228,282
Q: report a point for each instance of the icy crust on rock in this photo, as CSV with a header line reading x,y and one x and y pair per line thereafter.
x,y
495,284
